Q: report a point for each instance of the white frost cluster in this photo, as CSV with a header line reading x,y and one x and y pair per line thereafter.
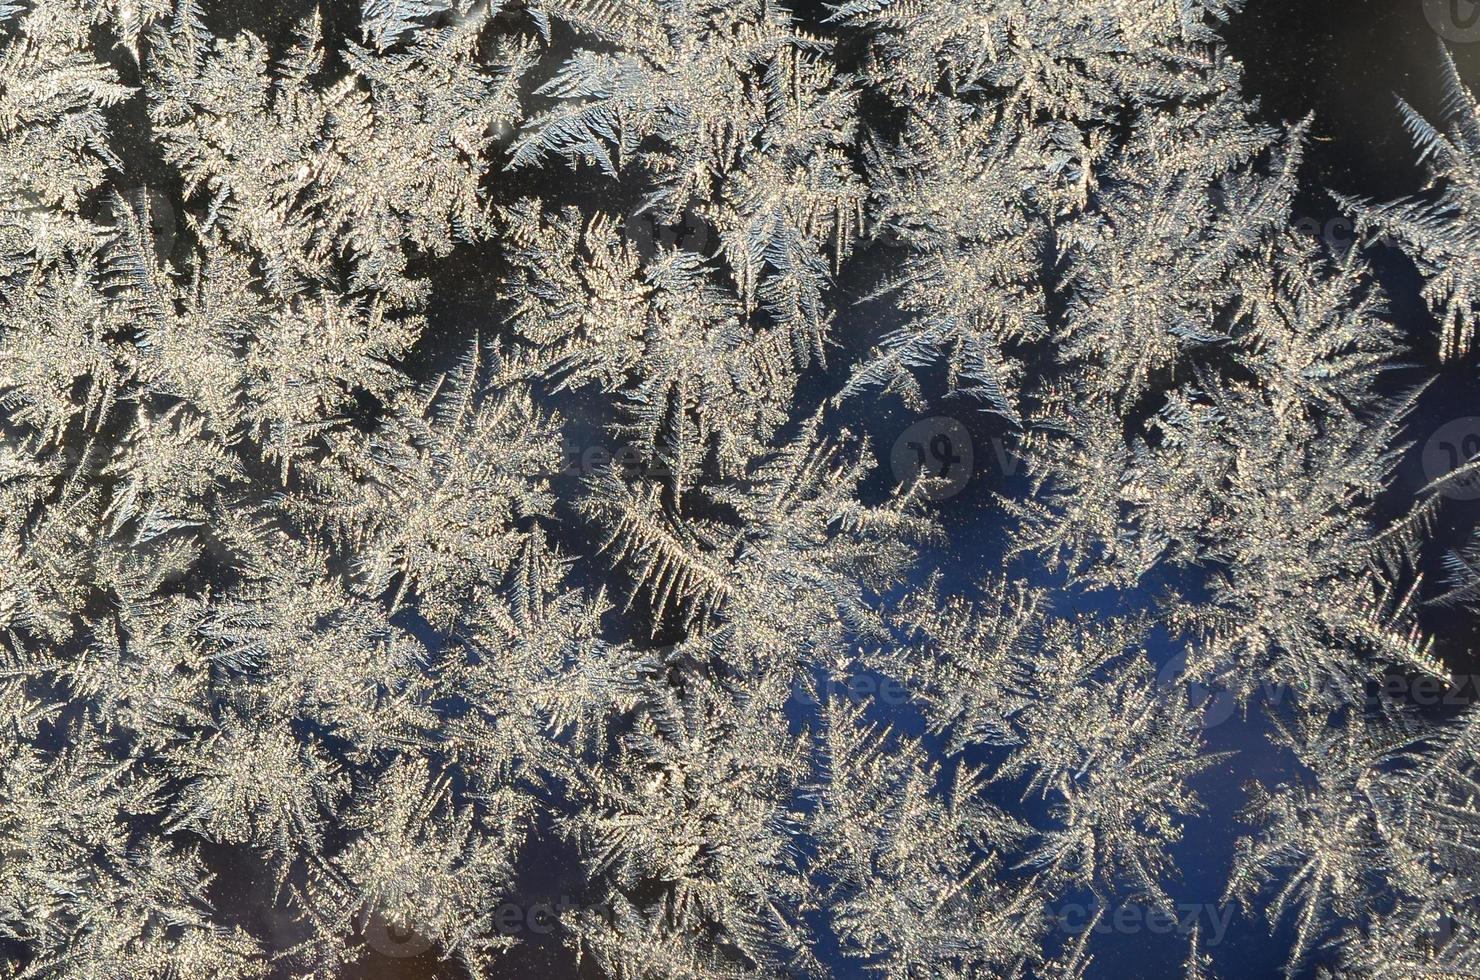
x,y
296,584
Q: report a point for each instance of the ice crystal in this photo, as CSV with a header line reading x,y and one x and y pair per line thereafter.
x,y
317,647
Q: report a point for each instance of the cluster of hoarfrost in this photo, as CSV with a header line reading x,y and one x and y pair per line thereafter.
x,y
293,577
